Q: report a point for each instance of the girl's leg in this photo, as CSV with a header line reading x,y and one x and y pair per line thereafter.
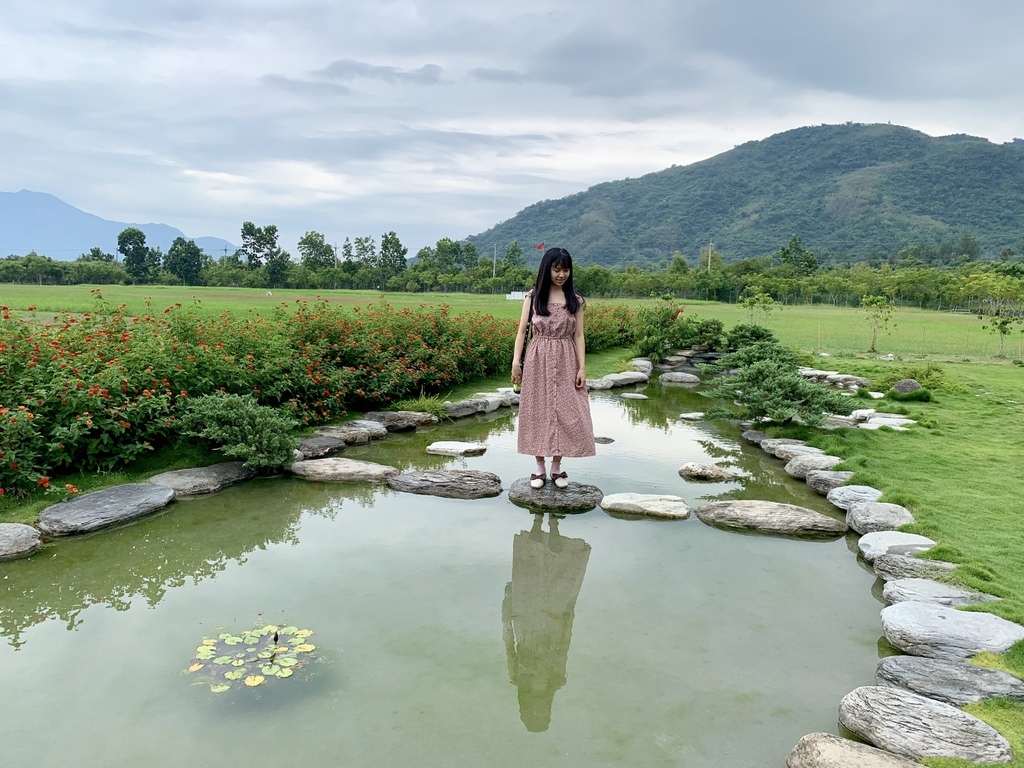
x,y
537,479
560,478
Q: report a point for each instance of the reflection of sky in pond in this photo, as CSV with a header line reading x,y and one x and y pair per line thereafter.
x,y
685,645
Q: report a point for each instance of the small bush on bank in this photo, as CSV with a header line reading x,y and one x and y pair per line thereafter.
x,y
744,334
242,429
917,396
661,328
928,375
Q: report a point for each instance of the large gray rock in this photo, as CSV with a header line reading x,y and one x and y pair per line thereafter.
x,y
873,545
339,470
102,508
891,566
916,727
642,364
953,682
634,396
377,430
647,505
941,632
318,446
456,448
578,497
846,496
675,377
350,435
463,408
17,540
597,385
625,378
769,444
199,480
695,470
769,517
903,386
871,516
801,465
823,750
404,421
754,436
789,452
825,480
931,591
450,483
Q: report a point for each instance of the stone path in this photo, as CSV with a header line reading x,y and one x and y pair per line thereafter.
x,y
954,682
200,480
646,505
769,517
449,483
92,511
578,497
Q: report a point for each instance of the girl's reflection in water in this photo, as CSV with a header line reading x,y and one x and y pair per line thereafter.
x,y
537,615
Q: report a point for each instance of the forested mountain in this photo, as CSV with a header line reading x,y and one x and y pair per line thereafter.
x,y
849,191
36,221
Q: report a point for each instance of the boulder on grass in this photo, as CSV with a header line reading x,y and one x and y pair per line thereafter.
x,y
941,632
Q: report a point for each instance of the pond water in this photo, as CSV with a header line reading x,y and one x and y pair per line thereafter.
x,y
447,632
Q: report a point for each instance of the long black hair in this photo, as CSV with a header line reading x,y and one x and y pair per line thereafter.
x,y
554,257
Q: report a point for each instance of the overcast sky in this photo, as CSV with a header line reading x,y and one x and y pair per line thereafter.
x,y
440,118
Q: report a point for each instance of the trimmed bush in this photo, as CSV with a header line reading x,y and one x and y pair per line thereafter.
x,y
242,430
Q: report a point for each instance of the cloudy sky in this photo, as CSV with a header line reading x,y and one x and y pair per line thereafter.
x,y
439,118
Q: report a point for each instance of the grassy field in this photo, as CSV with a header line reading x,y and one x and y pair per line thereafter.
x,y
837,331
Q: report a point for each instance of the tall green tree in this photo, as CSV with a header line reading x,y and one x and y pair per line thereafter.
x,y
315,252
258,243
96,254
392,257
186,261
140,261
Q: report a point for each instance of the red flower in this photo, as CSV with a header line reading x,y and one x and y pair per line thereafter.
x,y
44,481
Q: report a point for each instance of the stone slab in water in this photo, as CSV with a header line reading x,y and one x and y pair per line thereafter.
x,y
769,517
695,470
954,682
599,384
602,440
377,430
625,378
102,508
692,416
789,452
463,408
846,496
915,726
824,750
352,435
890,566
318,446
339,470
931,591
754,436
871,516
18,540
941,632
769,444
633,396
801,465
578,497
646,504
449,483
401,421
825,480
676,377
200,480
873,545
456,448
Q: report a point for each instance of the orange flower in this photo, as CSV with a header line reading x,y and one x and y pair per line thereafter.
x,y
44,481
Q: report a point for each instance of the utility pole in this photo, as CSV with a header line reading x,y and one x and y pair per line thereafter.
x,y
335,254
494,266
711,247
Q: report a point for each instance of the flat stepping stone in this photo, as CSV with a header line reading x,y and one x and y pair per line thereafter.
x,y
889,567
401,421
769,517
754,436
578,497
319,446
199,480
705,472
18,540
464,408
871,516
678,377
647,505
941,632
100,509
953,682
789,452
495,400
825,480
931,591
848,495
601,440
873,545
801,465
633,396
449,483
769,444
456,448
694,416
824,750
599,384
339,470
377,430
642,364
353,435
914,726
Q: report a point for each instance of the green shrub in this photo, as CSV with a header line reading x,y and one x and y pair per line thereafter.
x,y
431,404
744,334
917,396
660,328
242,429
928,375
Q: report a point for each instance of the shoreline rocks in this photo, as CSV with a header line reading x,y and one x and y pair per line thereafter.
x,y
100,509
646,505
769,517
953,682
941,632
18,540
449,483
202,480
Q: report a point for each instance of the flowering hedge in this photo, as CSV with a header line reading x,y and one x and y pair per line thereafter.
x,y
92,392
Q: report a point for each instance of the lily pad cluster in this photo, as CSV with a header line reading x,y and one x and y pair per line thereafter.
x,y
252,657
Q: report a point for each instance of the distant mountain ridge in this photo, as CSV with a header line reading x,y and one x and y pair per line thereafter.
x,y
846,190
36,221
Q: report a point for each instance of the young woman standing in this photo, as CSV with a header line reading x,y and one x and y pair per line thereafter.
x,y
554,410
